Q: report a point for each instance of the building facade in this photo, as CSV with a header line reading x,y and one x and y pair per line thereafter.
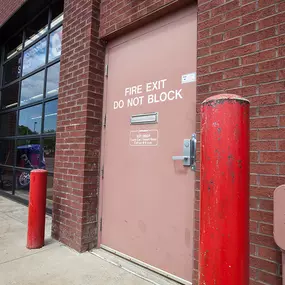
x,y
103,94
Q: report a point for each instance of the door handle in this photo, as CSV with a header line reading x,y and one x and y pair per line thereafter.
x,y
180,157
189,152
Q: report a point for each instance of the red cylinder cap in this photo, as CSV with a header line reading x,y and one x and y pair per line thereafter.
x,y
225,97
39,170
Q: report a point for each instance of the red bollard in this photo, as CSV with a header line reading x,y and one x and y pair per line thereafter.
x,y
224,208
37,209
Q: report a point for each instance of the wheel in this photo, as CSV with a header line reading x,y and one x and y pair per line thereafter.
x,y
24,180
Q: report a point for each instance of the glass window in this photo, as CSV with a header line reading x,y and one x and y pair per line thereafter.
x,y
6,179
8,124
57,14
32,88
14,46
49,191
7,150
30,121
37,28
55,44
29,153
50,117
12,69
49,153
9,96
52,80
35,56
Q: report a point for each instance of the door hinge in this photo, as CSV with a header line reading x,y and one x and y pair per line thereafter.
x,y
105,121
102,172
106,70
101,225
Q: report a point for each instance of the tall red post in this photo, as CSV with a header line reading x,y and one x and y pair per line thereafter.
x,y
224,208
37,209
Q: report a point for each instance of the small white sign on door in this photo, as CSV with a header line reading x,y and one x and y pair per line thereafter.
x,y
144,138
188,78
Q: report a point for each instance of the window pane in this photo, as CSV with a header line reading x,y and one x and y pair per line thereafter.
x,y
14,46
32,88
35,56
57,13
30,121
52,80
49,191
28,154
6,179
7,150
8,124
55,44
50,117
12,69
37,28
9,96
49,153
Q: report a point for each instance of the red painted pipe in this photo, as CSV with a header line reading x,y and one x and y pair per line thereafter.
x,y
37,209
224,208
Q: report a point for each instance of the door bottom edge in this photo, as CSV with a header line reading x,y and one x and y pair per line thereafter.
x,y
146,266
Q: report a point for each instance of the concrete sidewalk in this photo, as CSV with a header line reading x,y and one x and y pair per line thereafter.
x,y
55,263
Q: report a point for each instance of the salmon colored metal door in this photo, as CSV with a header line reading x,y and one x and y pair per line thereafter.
x,y
150,103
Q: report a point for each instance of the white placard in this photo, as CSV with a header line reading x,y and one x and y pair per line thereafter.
x,y
188,78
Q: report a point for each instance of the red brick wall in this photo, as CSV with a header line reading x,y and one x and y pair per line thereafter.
x,y
7,8
76,177
123,14
241,50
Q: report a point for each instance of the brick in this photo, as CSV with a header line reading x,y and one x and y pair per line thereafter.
x,y
261,240
74,187
266,122
266,229
269,278
282,121
266,205
272,157
260,263
240,11
258,57
273,181
259,78
272,87
281,145
261,216
256,145
225,8
272,21
243,30
225,26
282,169
261,100
240,51
210,59
259,191
210,78
224,85
272,110
260,14
275,64
225,65
258,36
225,45
263,168
270,254
253,226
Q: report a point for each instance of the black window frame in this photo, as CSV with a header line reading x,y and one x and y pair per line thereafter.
x,y
19,80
